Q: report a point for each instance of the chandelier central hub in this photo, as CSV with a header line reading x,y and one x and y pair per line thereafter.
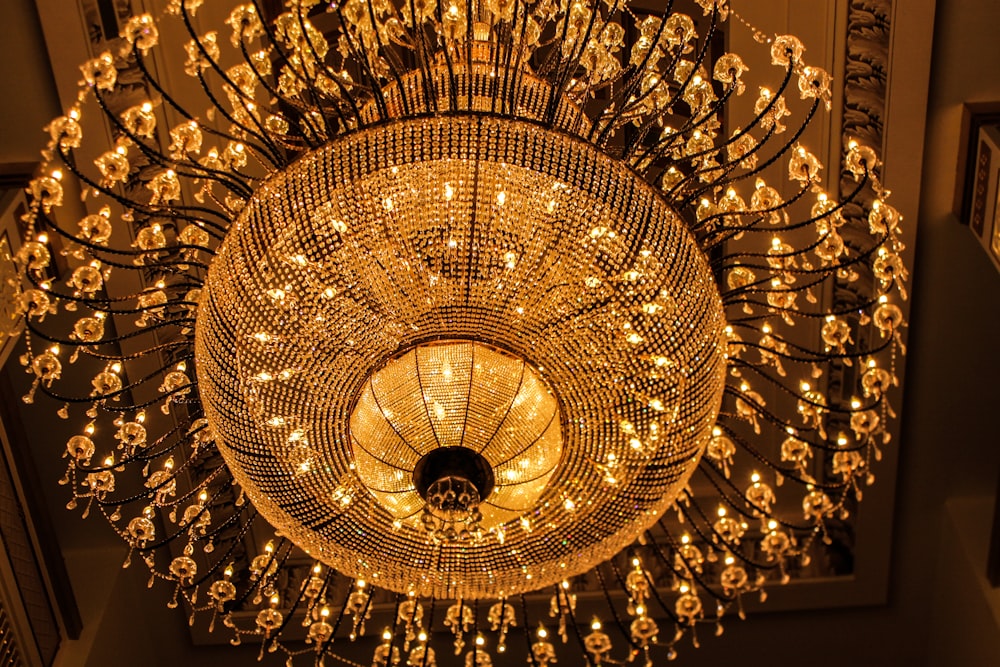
x,y
453,481
471,412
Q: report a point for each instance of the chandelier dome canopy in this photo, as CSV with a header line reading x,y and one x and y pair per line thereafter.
x,y
593,354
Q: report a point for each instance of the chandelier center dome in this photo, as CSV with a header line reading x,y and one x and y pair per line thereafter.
x,y
470,412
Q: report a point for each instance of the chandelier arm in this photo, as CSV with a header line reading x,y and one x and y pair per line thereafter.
x,y
736,550
246,107
154,82
623,586
425,57
744,502
190,493
320,64
758,119
569,63
620,103
88,348
771,285
788,473
651,585
656,149
262,579
290,612
792,311
362,60
501,65
261,132
134,459
170,266
388,56
430,627
819,356
325,648
118,338
716,539
150,549
632,79
581,100
274,93
761,411
566,607
753,228
276,46
548,64
532,658
697,62
710,111
470,35
413,613
761,166
754,287
553,63
737,394
514,73
475,632
137,458
94,249
182,530
157,158
128,204
368,604
398,627
513,66
690,571
103,398
98,252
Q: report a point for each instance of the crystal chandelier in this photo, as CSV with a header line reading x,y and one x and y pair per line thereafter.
x,y
458,301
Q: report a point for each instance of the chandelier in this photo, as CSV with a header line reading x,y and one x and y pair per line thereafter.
x,y
422,313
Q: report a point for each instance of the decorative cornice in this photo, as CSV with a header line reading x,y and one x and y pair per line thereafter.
x,y
866,71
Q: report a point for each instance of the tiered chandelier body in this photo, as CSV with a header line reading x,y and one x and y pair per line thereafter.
x,y
460,298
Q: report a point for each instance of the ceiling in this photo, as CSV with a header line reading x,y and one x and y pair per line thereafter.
x,y
936,608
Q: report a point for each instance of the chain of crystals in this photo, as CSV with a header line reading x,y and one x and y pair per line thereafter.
x,y
869,411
